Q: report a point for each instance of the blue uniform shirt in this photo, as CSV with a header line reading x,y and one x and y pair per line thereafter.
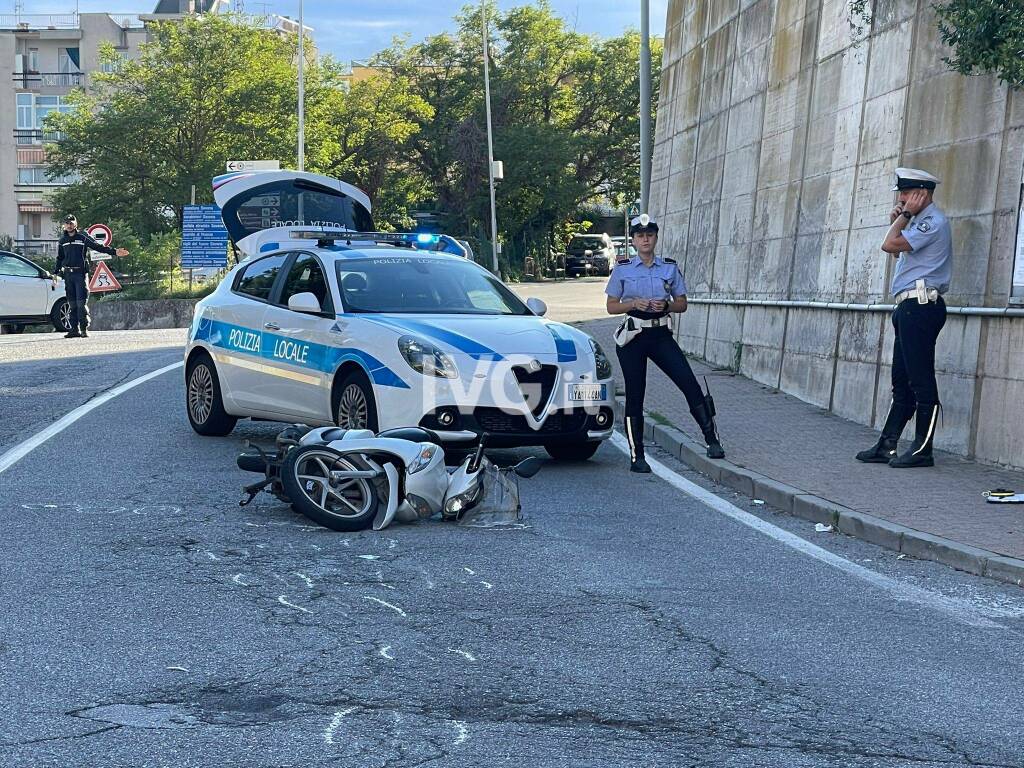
x,y
633,280
932,256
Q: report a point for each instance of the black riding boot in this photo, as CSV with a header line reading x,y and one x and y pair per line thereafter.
x,y
885,449
635,436
920,453
85,330
704,415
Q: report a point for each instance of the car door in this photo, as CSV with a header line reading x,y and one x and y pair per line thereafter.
x,y
23,292
239,320
294,343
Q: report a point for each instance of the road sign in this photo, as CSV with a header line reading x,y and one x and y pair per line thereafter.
x,y
204,239
101,234
634,209
103,279
254,165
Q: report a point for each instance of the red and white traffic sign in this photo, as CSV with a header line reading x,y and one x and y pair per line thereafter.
x,y
103,279
101,234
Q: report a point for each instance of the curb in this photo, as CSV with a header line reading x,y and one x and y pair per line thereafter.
x,y
816,509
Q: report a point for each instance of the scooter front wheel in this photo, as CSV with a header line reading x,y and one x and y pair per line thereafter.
x,y
310,478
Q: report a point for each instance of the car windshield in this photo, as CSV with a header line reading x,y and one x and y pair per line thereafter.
x,y
419,285
580,243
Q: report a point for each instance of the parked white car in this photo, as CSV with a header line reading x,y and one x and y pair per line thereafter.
x,y
327,322
29,295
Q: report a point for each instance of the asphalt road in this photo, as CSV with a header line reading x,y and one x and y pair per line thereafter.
x,y
147,620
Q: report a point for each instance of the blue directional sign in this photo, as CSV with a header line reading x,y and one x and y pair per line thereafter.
x,y
204,239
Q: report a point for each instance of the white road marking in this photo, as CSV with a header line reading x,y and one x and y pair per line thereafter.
x,y
335,722
461,732
305,578
384,652
18,452
465,654
237,578
282,601
386,604
958,609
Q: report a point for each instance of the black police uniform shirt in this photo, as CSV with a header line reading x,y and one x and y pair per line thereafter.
x,y
634,280
73,251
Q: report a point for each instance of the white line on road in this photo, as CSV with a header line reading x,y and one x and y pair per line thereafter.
x,y
335,722
386,604
21,450
959,610
281,599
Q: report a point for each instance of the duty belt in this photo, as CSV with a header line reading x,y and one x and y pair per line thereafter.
x,y
922,294
655,322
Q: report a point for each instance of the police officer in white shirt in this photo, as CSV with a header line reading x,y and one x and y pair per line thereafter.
x,y
920,237
647,288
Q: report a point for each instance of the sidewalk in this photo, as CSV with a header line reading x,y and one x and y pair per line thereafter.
x,y
799,458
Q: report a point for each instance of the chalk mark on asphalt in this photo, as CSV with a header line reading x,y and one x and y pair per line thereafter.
x,y
335,722
386,604
909,593
281,599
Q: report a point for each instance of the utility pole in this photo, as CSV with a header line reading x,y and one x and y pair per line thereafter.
x,y
495,247
302,96
645,105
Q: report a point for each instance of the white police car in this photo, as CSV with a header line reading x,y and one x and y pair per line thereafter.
x,y
325,321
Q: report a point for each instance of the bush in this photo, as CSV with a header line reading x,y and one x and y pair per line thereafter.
x,y
987,37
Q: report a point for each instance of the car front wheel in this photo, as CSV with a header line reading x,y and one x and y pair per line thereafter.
x,y
355,406
580,451
203,401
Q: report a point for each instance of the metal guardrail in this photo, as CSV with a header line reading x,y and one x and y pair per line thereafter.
x,y
853,307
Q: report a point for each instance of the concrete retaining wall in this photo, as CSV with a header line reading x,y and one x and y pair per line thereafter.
x,y
116,315
776,140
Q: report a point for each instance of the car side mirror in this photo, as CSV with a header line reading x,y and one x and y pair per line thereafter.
x,y
528,467
537,306
304,302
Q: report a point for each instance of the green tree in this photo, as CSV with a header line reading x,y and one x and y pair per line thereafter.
x,y
987,37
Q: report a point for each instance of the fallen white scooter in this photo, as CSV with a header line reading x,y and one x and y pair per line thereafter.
x,y
350,479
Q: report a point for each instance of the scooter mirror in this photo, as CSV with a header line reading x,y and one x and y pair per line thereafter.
x,y
528,467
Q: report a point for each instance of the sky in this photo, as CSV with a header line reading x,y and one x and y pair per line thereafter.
x,y
356,29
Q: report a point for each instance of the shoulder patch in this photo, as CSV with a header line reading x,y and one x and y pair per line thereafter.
x,y
925,225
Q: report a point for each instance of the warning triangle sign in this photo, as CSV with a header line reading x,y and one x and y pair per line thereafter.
x,y
103,279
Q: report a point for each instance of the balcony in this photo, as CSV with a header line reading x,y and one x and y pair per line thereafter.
x,y
26,21
24,136
27,80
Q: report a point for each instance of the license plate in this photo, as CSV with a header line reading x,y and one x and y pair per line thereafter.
x,y
587,392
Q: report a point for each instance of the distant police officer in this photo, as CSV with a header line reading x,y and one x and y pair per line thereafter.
x,y
74,262
647,288
919,235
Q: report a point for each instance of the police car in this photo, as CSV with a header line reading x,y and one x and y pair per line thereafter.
x,y
325,321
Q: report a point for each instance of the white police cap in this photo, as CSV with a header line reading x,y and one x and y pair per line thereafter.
x,y
914,178
643,221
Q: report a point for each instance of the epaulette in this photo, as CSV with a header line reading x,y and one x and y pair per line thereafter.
x,y
667,260
623,261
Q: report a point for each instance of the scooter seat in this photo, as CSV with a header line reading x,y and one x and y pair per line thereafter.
x,y
413,434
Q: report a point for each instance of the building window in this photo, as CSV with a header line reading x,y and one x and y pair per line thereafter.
x,y
115,65
37,175
32,110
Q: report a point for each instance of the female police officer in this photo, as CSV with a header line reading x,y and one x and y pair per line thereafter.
x,y
647,288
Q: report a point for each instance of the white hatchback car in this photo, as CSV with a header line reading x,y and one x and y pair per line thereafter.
x,y
29,295
327,322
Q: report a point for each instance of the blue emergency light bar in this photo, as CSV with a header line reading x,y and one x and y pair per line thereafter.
x,y
423,241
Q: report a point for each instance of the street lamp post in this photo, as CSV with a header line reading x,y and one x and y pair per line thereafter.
x,y
490,139
302,96
645,105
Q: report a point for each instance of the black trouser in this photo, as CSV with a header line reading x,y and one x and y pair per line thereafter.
x,y
76,288
913,353
657,345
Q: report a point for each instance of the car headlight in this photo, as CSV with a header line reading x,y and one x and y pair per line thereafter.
x,y
604,365
424,357
424,458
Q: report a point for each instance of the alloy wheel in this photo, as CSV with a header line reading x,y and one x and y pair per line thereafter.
x,y
344,497
353,409
200,394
